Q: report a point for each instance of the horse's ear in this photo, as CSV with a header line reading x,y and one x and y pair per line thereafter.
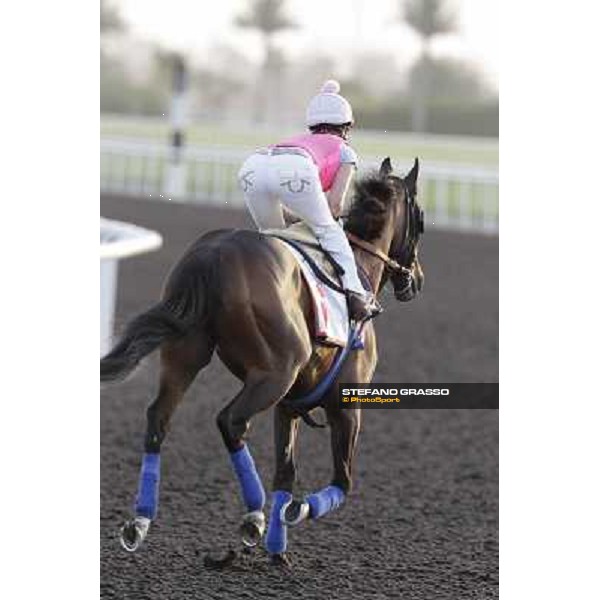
x,y
411,179
386,167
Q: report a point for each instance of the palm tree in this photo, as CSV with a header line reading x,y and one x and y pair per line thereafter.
x,y
429,18
268,18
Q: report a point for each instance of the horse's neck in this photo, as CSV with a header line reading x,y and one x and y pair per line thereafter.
x,y
373,266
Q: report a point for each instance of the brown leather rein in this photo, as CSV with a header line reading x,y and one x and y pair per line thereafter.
x,y
369,248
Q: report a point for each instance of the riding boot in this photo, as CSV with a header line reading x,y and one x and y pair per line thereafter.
x,y
362,306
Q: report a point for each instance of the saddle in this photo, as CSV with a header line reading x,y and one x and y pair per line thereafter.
x,y
301,238
322,275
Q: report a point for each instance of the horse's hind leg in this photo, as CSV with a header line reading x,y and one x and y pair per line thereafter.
x,y
261,390
180,362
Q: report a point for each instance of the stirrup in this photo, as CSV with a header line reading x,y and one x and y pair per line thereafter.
x,y
360,308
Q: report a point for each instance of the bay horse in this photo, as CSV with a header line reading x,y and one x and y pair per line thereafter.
x,y
242,293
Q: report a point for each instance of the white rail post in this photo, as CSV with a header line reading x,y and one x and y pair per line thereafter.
x,y
118,240
442,205
175,183
488,216
464,206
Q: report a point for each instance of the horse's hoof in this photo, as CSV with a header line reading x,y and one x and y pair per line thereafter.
x,y
295,512
252,528
133,533
281,560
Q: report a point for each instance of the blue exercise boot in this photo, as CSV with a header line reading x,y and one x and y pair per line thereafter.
x,y
253,495
276,539
135,531
313,506
325,501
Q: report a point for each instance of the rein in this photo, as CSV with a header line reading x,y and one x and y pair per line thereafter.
x,y
371,249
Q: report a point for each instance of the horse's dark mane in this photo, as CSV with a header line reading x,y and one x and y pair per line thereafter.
x,y
368,212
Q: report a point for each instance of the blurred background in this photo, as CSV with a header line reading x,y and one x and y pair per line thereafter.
x,y
189,89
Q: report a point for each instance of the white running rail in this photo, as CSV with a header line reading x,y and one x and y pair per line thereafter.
x,y
454,197
118,240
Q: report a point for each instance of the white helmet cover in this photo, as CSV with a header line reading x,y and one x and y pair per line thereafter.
x,y
329,107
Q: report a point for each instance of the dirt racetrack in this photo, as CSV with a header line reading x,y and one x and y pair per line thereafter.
x,y
422,522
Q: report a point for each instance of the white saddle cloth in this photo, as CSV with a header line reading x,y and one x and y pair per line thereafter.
x,y
330,308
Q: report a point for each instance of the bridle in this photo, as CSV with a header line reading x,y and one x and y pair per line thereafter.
x,y
390,263
405,256
415,227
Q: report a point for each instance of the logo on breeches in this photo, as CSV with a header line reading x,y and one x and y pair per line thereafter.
x,y
295,184
246,180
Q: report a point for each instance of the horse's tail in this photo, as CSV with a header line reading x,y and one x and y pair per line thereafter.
x,y
174,317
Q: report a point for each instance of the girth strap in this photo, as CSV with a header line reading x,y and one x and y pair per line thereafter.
x,y
302,406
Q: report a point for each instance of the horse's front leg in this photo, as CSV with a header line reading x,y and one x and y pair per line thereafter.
x,y
285,510
345,426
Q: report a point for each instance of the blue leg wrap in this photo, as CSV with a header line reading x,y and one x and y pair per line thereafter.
x,y
146,502
253,492
276,539
324,501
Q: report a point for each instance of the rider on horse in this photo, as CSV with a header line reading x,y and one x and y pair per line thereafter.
x,y
310,175
241,294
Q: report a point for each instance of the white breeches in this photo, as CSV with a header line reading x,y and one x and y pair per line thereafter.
x,y
268,181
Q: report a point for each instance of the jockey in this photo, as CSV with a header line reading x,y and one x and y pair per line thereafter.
x,y
310,175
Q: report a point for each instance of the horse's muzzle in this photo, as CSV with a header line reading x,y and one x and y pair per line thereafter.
x,y
405,295
409,288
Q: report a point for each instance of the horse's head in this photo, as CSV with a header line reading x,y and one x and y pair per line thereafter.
x,y
386,222
409,226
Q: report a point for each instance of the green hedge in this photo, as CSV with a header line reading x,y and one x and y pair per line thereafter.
x,y
478,119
